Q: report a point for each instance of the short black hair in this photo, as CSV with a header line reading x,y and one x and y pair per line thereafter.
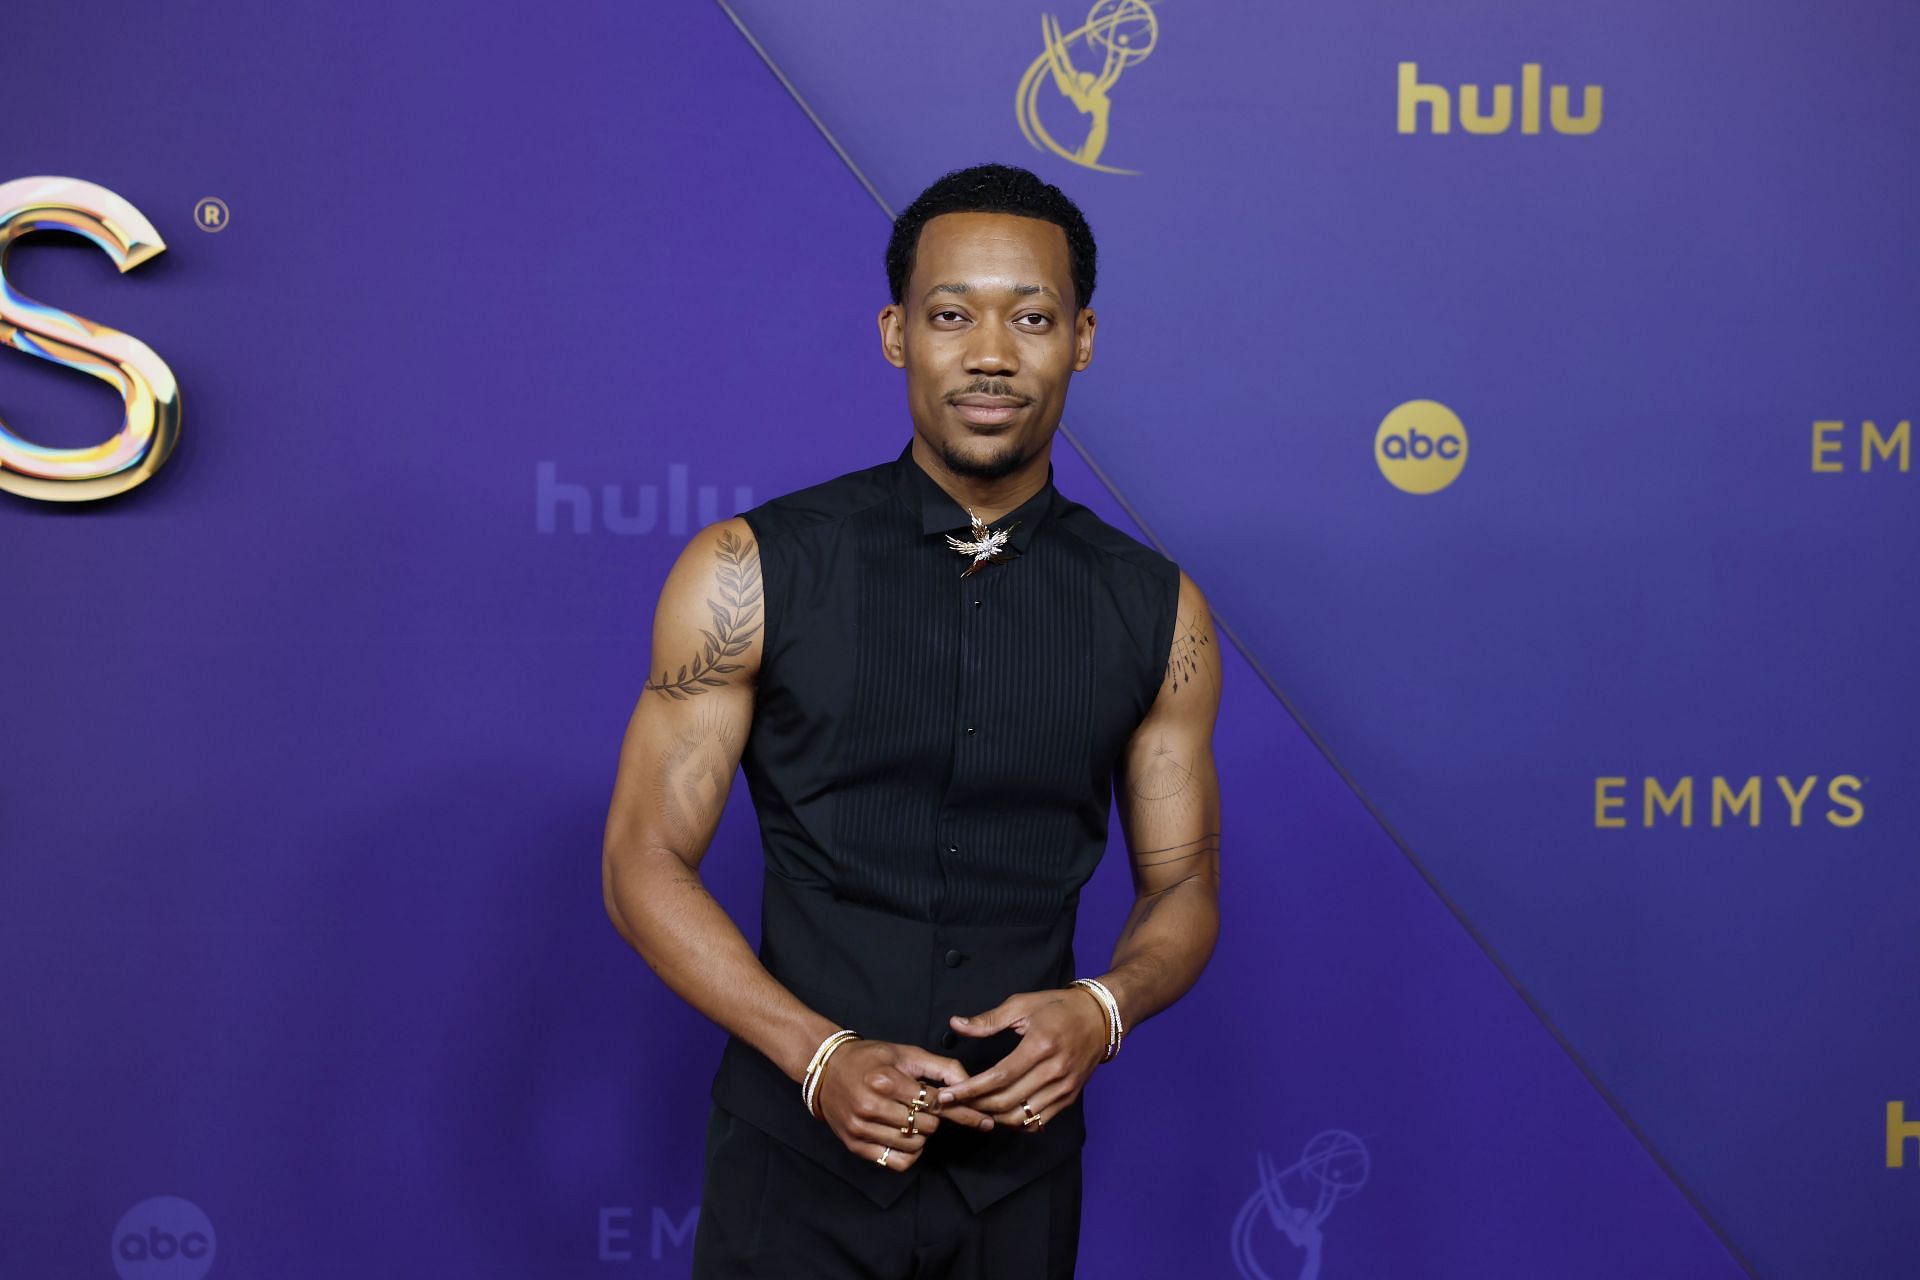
x,y
992,188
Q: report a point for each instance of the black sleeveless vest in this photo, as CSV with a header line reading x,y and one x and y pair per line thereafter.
x,y
931,763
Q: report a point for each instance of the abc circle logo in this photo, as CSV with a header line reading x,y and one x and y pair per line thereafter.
x,y
1420,447
163,1238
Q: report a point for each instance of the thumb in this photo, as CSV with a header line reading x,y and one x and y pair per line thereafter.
x,y
992,1022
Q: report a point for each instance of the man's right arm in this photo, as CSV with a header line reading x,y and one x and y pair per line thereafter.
x,y
677,763
676,768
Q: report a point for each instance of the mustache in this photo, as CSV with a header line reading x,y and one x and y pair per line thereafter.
x,y
988,387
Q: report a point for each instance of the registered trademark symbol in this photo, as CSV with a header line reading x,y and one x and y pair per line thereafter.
x,y
211,214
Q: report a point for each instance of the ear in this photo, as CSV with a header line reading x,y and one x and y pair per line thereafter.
x,y
1083,339
893,335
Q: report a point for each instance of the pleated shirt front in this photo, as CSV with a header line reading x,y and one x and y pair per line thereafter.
x,y
931,761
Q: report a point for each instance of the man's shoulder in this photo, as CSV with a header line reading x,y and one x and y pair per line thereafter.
x,y
822,502
1112,542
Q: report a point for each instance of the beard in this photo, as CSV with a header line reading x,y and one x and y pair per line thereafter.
x,y
1003,461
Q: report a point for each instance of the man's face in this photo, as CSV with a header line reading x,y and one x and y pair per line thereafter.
x,y
988,336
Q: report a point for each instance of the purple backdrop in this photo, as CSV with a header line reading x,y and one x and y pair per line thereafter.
x,y
310,738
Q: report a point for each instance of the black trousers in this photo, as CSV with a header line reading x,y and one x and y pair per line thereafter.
x,y
769,1213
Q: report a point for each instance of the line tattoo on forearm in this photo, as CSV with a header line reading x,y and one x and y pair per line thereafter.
x,y
735,618
1200,845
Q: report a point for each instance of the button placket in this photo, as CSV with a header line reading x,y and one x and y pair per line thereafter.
x,y
972,598
973,592
966,651
970,739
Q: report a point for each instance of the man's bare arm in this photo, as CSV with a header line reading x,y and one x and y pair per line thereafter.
x,y
677,764
1170,808
1169,802
676,768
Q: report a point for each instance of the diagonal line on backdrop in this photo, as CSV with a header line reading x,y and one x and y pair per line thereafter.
x,y
1320,744
825,132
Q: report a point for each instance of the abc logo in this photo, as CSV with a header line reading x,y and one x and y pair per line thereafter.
x,y
164,1238
1420,447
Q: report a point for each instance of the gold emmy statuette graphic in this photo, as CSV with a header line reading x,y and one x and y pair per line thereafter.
x,y
151,426
1118,33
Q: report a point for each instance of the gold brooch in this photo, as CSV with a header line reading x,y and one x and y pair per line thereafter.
x,y
986,546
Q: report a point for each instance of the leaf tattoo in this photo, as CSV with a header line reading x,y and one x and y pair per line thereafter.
x,y
734,620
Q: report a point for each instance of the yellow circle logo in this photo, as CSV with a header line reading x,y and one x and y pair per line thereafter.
x,y
1420,447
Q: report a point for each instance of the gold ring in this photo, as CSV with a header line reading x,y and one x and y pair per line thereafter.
x,y
920,1100
912,1125
1032,1118
884,1153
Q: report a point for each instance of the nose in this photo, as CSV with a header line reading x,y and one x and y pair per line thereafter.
x,y
991,350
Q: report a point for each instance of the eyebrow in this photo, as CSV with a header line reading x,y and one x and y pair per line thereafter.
x,y
962,287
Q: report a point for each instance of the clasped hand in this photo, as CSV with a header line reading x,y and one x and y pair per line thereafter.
x,y
869,1088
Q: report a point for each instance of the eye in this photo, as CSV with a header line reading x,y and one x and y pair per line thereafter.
x,y
955,314
1035,315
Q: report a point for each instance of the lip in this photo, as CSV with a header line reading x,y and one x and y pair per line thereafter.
x,y
988,411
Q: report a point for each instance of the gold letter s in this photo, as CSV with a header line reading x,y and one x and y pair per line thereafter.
x,y
151,426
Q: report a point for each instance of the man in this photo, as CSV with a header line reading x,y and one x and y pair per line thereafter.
x,y
932,670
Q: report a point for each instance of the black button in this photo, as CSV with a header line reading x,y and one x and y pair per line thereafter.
x,y
976,604
953,848
953,959
948,1039
969,728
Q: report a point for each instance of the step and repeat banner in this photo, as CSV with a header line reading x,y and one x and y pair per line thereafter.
x,y
1530,387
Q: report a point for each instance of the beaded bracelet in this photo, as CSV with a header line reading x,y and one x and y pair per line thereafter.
x,y
1111,1007
816,1068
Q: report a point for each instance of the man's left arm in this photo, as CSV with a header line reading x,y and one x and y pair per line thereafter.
x,y
1169,801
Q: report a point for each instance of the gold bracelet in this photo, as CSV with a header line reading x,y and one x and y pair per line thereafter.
x,y
1107,998
810,1082
1116,1032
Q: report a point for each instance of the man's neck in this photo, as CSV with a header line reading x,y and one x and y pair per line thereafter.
x,y
988,499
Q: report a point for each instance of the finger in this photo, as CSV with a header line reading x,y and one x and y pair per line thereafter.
x,y
897,1160
886,1083
932,1112
959,1113
885,1134
992,1022
966,1117
887,1094
916,1061
908,1118
921,1111
1004,1103
996,1077
941,1070
918,1095
1048,1103
909,1091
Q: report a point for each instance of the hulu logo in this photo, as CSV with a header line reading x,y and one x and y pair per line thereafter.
x,y
630,512
1497,116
